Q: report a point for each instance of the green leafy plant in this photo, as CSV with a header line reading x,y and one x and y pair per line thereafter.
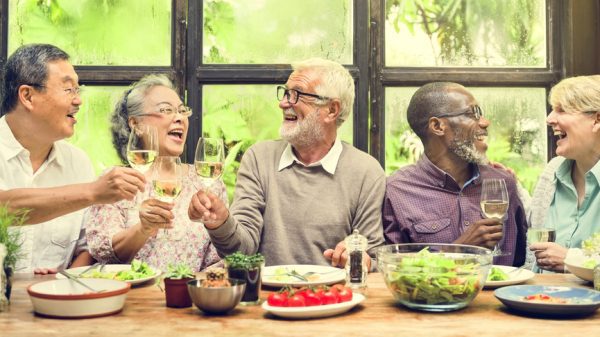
x,y
239,260
11,239
179,271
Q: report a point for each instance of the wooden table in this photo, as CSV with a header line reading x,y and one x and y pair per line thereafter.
x,y
145,314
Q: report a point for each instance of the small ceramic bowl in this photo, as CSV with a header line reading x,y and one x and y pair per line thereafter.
x,y
216,300
66,299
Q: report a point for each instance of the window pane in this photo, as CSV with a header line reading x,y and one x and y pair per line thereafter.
x,y
277,31
463,33
243,115
92,131
517,131
132,32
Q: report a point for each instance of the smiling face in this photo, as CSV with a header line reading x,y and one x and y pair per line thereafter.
x,y
52,106
172,129
467,137
303,123
576,139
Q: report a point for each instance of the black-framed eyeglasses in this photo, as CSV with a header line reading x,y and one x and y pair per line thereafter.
x,y
293,95
71,92
475,112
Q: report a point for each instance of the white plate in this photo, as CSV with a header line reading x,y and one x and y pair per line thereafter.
x,y
323,275
113,268
314,311
515,277
575,267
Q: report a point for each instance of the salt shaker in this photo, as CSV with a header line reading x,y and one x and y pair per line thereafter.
x,y
356,266
597,277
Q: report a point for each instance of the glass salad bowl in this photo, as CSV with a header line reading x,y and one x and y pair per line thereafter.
x,y
434,277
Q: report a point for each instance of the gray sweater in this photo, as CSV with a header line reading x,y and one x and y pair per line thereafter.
x,y
293,215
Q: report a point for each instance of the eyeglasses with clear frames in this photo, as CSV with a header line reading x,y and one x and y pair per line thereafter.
x,y
71,92
475,112
170,110
293,95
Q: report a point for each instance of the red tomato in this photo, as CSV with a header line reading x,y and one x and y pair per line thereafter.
x,y
312,298
296,301
345,294
330,297
277,299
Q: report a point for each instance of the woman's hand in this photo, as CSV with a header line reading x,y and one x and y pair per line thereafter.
x,y
549,256
155,214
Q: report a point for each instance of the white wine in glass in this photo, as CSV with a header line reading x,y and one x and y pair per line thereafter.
x,y
142,149
535,235
494,204
209,160
167,180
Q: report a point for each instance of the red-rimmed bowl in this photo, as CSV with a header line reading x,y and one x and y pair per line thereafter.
x,y
67,299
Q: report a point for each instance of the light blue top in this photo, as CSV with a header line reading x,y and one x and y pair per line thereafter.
x,y
574,225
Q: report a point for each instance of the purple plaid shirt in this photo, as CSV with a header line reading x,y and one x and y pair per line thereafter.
x,y
424,204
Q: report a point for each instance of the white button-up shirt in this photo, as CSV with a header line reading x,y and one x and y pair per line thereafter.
x,y
51,244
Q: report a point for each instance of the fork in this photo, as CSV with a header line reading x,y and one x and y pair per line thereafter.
x,y
75,279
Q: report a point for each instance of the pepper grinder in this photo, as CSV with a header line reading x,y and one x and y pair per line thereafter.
x,y
356,265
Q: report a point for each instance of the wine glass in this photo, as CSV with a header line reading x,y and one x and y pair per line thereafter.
x,y
210,157
142,149
539,232
494,204
167,179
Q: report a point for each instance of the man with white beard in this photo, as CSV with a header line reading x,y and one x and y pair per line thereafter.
x,y
437,199
296,199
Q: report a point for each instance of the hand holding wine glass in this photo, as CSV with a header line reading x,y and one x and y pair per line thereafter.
x,y
494,204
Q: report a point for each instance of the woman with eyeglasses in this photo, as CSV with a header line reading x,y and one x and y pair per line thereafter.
x,y
158,232
567,195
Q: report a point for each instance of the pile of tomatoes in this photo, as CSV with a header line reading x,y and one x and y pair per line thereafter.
x,y
310,296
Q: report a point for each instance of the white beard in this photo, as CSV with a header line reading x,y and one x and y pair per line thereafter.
x,y
305,133
465,149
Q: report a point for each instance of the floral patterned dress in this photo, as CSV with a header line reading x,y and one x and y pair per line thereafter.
x,y
187,242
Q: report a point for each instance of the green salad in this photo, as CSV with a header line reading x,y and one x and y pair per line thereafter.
x,y
497,274
591,246
137,271
434,278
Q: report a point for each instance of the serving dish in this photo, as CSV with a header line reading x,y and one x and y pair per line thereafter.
x,y
314,311
580,301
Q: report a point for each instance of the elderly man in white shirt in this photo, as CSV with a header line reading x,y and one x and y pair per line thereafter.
x,y
39,171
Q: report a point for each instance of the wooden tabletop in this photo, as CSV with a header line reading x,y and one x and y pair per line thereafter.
x,y
145,314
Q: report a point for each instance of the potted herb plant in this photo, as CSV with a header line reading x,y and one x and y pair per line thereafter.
x,y
176,279
10,247
249,269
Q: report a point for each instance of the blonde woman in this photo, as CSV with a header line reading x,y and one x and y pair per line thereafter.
x,y
567,196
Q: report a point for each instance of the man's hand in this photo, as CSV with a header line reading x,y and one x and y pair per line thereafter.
x,y
117,184
484,232
549,255
45,271
209,209
155,214
339,256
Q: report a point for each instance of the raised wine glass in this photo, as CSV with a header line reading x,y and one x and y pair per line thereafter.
x,y
494,204
142,149
167,179
210,157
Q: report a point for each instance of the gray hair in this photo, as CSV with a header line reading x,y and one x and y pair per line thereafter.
x,y
131,104
27,66
577,94
336,82
428,101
